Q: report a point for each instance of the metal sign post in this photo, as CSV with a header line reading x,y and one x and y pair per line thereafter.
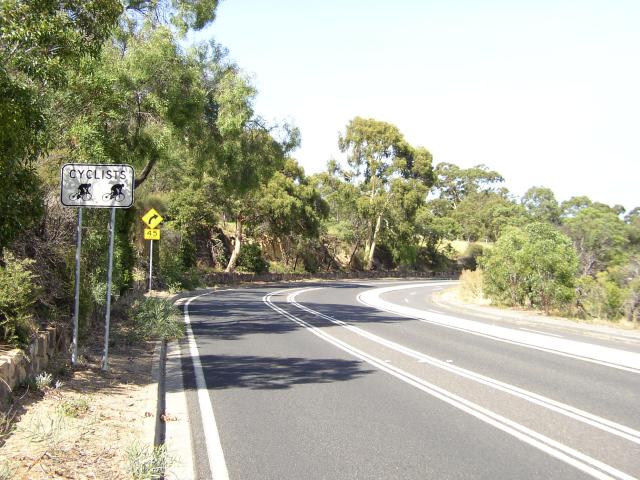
x,y
152,218
76,290
95,186
107,315
150,265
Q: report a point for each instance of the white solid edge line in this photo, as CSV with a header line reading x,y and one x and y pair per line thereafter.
x,y
596,421
493,337
541,332
217,463
562,452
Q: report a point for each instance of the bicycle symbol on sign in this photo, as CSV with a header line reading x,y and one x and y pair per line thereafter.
x,y
83,193
115,194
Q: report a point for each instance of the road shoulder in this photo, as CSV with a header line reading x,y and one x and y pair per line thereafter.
x,y
450,300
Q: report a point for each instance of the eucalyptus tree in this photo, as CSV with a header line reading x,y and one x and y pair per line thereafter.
x,y
453,183
542,205
377,153
253,158
291,209
600,237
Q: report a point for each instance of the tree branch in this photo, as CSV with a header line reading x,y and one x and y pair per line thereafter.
x,y
145,173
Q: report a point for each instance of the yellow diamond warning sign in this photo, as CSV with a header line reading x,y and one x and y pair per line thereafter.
x,y
152,218
152,234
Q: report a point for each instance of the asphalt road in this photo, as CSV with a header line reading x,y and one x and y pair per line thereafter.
x,y
308,382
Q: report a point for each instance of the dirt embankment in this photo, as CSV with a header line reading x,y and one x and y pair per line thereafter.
x,y
86,424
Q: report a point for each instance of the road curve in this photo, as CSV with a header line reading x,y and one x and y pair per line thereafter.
x,y
307,382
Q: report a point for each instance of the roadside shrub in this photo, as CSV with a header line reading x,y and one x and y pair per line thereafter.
x,y
533,266
472,285
18,293
42,381
157,319
74,407
251,260
600,297
176,265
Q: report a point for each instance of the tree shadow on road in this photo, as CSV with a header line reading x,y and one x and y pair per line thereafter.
x,y
272,373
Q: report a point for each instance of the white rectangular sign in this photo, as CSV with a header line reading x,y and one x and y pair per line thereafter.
x,y
96,186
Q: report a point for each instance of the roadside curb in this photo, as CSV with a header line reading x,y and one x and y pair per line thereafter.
x,y
177,424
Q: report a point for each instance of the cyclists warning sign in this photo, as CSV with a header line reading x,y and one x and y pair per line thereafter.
x,y
96,186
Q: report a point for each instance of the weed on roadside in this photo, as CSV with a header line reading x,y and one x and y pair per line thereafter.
x,y
40,382
7,425
157,319
7,470
74,407
49,429
146,462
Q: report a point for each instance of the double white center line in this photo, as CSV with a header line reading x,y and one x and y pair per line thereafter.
x,y
585,463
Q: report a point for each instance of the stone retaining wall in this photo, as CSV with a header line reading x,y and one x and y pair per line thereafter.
x,y
17,365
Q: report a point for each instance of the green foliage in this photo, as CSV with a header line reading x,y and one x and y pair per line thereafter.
x,y
74,407
454,183
542,205
7,469
146,462
18,293
157,319
600,297
39,42
41,382
378,159
177,261
483,216
535,266
251,259
600,237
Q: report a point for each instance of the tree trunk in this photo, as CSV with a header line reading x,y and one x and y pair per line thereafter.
x,y
231,266
372,248
353,253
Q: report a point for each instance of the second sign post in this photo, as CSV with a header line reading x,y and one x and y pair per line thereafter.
x,y
152,219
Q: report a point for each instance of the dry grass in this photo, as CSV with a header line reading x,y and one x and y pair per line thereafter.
x,y
471,286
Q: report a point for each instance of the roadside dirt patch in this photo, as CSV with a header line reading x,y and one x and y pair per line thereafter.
x,y
83,428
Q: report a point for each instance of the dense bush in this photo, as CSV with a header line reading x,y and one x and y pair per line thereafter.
x,y
176,262
251,259
18,293
532,266
600,297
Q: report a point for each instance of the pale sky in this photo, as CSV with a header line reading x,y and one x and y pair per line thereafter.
x,y
546,92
